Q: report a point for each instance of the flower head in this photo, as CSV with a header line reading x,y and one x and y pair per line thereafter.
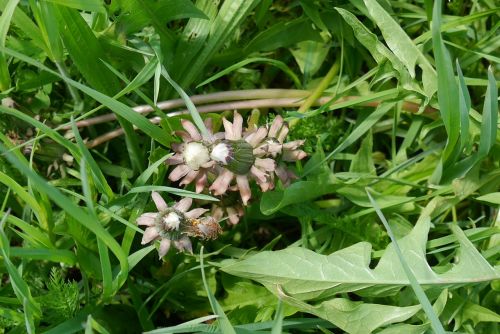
x,y
175,225
192,157
237,160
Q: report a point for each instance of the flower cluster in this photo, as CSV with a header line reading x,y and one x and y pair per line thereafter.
x,y
230,160
174,225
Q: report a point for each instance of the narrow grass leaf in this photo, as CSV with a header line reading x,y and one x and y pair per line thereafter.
x,y
189,104
278,319
419,292
279,64
75,32
43,254
490,118
31,201
359,131
86,5
119,108
175,191
21,289
225,326
5,19
447,88
76,212
464,104
98,176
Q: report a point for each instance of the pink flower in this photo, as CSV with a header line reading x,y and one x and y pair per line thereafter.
x,y
274,146
238,162
192,157
175,225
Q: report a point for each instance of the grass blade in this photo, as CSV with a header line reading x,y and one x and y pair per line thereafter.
x,y
419,292
5,19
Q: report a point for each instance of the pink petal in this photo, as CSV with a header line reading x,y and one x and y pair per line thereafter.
x,y
244,188
183,244
191,129
255,138
164,247
201,182
189,177
294,155
186,137
258,175
208,123
176,159
160,203
177,147
184,204
228,128
283,175
179,172
195,213
232,215
147,219
237,125
266,164
221,183
150,234
217,212
293,145
275,127
283,133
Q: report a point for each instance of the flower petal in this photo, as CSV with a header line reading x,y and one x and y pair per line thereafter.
x,y
195,213
221,183
294,155
228,129
183,244
179,172
191,129
258,175
283,133
275,127
266,164
184,204
150,234
176,159
237,125
256,137
189,177
244,188
164,247
201,182
178,147
217,212
160,203
232,215
293,145
146,219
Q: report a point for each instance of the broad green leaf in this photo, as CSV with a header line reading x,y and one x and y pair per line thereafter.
x,y
297,192
402,46
356,317
305,275
493,198
75,32
44,14
310,55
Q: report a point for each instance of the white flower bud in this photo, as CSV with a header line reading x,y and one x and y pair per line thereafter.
x,y
195,155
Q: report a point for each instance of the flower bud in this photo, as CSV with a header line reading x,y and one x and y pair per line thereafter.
x,y
235,155
195,155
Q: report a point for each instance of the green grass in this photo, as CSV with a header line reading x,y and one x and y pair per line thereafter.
x,y
392,225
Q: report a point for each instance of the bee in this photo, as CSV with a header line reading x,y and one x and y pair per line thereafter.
x,y
205,228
